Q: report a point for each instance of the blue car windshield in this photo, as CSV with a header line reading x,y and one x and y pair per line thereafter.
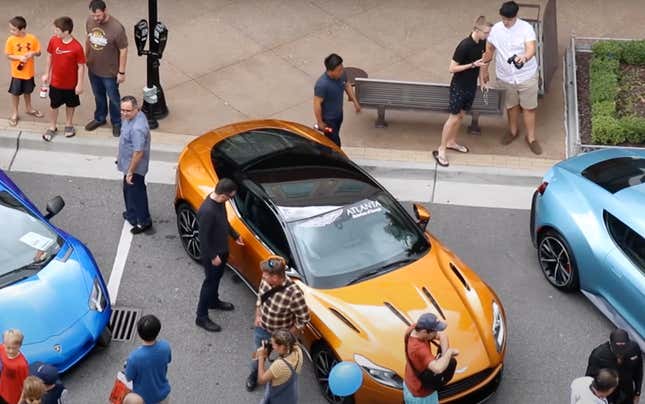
x,y
26,242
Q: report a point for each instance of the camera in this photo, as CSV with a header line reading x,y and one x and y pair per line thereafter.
x,y
518,65
20,66
266,344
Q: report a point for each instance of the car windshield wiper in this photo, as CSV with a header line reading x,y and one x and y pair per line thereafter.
x,y
19,274
380,270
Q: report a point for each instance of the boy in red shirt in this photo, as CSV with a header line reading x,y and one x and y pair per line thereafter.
x,y
14,368
64,74
21,48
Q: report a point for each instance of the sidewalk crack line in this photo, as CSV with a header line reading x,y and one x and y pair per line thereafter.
x,y
15,153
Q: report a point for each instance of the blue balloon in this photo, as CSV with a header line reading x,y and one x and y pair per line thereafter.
x,y
345,378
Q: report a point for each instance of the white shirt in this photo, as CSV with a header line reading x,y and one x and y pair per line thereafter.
x,y
581,392
512,41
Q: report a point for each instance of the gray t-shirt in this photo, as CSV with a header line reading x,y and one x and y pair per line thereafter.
x,y
104,40
135,136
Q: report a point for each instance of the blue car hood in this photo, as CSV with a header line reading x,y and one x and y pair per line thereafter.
x,y
47,303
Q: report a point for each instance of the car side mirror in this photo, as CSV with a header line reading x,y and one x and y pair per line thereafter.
x,y
55,205
422,214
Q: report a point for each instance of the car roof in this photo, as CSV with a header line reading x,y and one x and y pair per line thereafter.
x,y
580,162
632,211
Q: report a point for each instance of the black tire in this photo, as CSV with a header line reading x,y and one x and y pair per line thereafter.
x,y
105,338
324,360
557,261
188,230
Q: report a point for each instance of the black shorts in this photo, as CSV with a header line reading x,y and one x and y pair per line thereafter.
x,y
21,86
58,97
461,99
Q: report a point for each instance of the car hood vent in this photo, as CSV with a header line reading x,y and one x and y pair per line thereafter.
x,y
433,301
460,276
397,313
344,320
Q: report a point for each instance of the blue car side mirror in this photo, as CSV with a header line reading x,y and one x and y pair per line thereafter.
x,y
55,205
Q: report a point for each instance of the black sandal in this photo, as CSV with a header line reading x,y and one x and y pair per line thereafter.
x,y
49,134
440,160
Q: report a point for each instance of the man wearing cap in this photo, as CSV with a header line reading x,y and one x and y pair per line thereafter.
x,y
280,306
418,337
625,356
55,391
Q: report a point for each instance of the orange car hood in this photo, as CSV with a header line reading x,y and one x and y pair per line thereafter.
x,y
381,331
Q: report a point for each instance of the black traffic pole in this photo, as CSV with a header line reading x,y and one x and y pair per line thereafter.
x,y
154,101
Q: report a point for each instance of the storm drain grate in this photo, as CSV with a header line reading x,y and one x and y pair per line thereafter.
x,y
123,323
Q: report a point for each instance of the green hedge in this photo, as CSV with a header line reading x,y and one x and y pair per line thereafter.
x,y
606,126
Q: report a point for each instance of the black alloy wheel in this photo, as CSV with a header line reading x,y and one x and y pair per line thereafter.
x,y
188,228
324,360
557,261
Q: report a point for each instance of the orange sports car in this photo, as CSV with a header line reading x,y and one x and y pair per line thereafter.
x,y
366,267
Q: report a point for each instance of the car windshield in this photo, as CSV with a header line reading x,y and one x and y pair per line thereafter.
x,y
26,242
351,243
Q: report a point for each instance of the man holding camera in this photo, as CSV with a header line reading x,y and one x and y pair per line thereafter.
x,y
513,42
280,305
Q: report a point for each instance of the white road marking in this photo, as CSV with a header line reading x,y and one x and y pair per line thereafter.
x,y
119,262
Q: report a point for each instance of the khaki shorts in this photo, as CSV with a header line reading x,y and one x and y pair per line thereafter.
x,y
523,94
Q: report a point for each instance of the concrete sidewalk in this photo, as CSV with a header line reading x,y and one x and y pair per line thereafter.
x,y
231,60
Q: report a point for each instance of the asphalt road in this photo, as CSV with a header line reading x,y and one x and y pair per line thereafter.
x,y
550,333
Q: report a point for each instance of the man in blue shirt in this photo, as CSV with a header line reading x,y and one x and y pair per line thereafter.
x,y
132,161
147,366
328,98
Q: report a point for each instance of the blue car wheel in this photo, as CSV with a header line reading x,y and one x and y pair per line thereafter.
x,y
557,261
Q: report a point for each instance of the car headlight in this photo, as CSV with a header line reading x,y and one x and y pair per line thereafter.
x,y
499,331
97,298
380,374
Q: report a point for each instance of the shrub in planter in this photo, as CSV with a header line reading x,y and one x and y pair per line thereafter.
x,y
604,79
608,49
604,108
607,130
634,53
634,128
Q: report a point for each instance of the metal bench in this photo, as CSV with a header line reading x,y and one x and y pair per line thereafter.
x,y
405,95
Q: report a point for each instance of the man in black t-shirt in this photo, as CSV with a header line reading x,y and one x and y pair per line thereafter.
x,y
464,66
214,231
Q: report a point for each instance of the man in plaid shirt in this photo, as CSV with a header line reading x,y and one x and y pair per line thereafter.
x,y
280,305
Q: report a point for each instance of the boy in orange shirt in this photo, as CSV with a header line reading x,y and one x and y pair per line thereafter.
x,y
14,368
21,48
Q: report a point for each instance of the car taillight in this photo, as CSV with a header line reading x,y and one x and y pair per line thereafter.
x,y
542,187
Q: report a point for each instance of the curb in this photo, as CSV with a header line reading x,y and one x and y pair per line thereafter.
x,y
167,147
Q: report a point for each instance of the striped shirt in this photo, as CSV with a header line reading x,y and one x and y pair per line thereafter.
x,y
284,309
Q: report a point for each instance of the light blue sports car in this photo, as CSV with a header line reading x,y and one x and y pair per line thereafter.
x,y
588,225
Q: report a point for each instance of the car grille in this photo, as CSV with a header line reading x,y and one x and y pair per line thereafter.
x,y
465,384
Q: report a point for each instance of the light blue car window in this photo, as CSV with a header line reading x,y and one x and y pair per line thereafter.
x,y
632,243
25,239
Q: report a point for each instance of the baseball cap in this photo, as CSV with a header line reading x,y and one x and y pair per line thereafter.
x,y
429,322
47,373
619,336
273,264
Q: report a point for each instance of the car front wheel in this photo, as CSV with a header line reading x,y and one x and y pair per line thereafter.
x,y
324,360
188,229
557,261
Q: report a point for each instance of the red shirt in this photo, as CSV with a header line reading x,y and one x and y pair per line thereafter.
x,y
12,374
65,60
420,354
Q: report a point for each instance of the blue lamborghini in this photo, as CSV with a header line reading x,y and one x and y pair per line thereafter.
x,y
588,225
50,286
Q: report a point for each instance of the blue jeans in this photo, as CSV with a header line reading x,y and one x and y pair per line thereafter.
x,y
259,335
106,89
410,399
136,201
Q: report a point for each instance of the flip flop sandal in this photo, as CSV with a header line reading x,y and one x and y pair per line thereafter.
x,y
35,113
49,135
459,148
13,121
70,131
440,160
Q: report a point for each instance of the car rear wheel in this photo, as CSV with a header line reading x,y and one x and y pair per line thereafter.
x,y
557,261
324,360
188,230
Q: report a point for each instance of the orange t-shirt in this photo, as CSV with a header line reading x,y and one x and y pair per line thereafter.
x,y
420,354
20,45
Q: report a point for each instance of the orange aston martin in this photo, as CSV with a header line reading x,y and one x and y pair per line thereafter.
x,y
367,268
